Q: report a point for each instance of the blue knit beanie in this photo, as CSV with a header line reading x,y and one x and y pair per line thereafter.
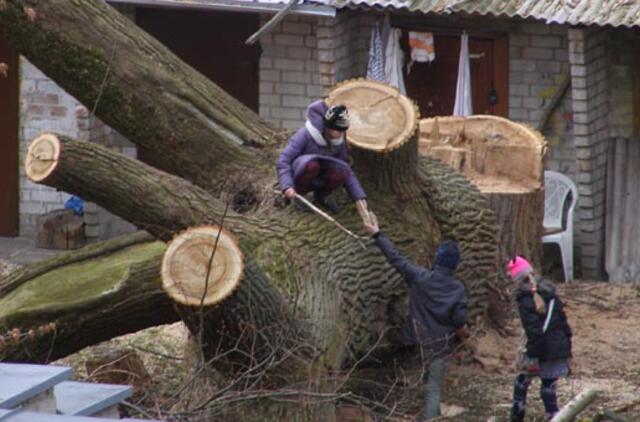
x,y
448,254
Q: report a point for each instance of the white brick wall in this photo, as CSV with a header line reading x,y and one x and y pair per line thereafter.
x,y
43,107
343,45
289,72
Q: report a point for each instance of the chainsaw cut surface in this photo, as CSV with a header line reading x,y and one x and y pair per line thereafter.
x,y
381,119
202,265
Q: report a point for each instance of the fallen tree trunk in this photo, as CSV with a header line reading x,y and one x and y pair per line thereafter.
x,y
84,301
280,242
350,297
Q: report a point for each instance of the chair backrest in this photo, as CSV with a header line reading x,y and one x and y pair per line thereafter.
x,y
558,188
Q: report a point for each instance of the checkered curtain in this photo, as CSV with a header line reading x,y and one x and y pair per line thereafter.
x,y
375,67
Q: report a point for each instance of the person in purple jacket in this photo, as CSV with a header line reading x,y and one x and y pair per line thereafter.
x,y
315,159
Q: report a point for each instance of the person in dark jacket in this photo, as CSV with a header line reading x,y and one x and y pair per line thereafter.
x,y
315,158
437,308
547,341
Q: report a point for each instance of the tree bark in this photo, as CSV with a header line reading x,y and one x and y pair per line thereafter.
x,y
90,296
519,217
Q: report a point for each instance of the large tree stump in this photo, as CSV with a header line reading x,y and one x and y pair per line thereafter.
x,y
60,229
505,160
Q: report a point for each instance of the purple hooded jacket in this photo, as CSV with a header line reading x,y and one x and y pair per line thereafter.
x,y
308,144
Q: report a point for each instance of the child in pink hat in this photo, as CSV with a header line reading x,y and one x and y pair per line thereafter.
x,y
546,348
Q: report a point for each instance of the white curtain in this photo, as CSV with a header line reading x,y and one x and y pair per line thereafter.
x,y
463,105
394,59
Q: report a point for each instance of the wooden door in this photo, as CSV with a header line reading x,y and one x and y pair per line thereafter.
x,y
213,44
433,85
9,115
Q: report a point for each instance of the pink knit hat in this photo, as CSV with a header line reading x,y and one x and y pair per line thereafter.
x,y
518,266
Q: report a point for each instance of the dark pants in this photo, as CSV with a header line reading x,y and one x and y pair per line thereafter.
x,y
547,394
435,380
322,179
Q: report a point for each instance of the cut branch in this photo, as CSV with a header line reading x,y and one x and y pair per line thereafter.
x,y
242,323
151,199
202,266
575,406
187,125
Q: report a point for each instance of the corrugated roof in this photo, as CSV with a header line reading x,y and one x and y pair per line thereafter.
x,y
586,12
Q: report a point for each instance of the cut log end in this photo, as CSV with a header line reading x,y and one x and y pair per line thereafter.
x,y
202,266
42,157
381,119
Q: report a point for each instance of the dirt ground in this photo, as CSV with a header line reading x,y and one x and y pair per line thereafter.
x,y
604,318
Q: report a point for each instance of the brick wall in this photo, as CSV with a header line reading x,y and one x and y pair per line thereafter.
x,y
538,64
44,106
303,57
589,60
343,44
289,73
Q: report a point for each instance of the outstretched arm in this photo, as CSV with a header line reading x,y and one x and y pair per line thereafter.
x,y
409,271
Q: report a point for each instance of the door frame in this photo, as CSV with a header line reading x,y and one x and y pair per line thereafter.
x,y
10,183
500,54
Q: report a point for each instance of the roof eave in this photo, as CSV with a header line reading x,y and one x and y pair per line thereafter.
x,y
233,6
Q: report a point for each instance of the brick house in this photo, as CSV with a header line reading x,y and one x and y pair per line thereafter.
x,y
554,64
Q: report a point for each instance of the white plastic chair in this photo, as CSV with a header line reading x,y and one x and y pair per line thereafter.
x,y
558,217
